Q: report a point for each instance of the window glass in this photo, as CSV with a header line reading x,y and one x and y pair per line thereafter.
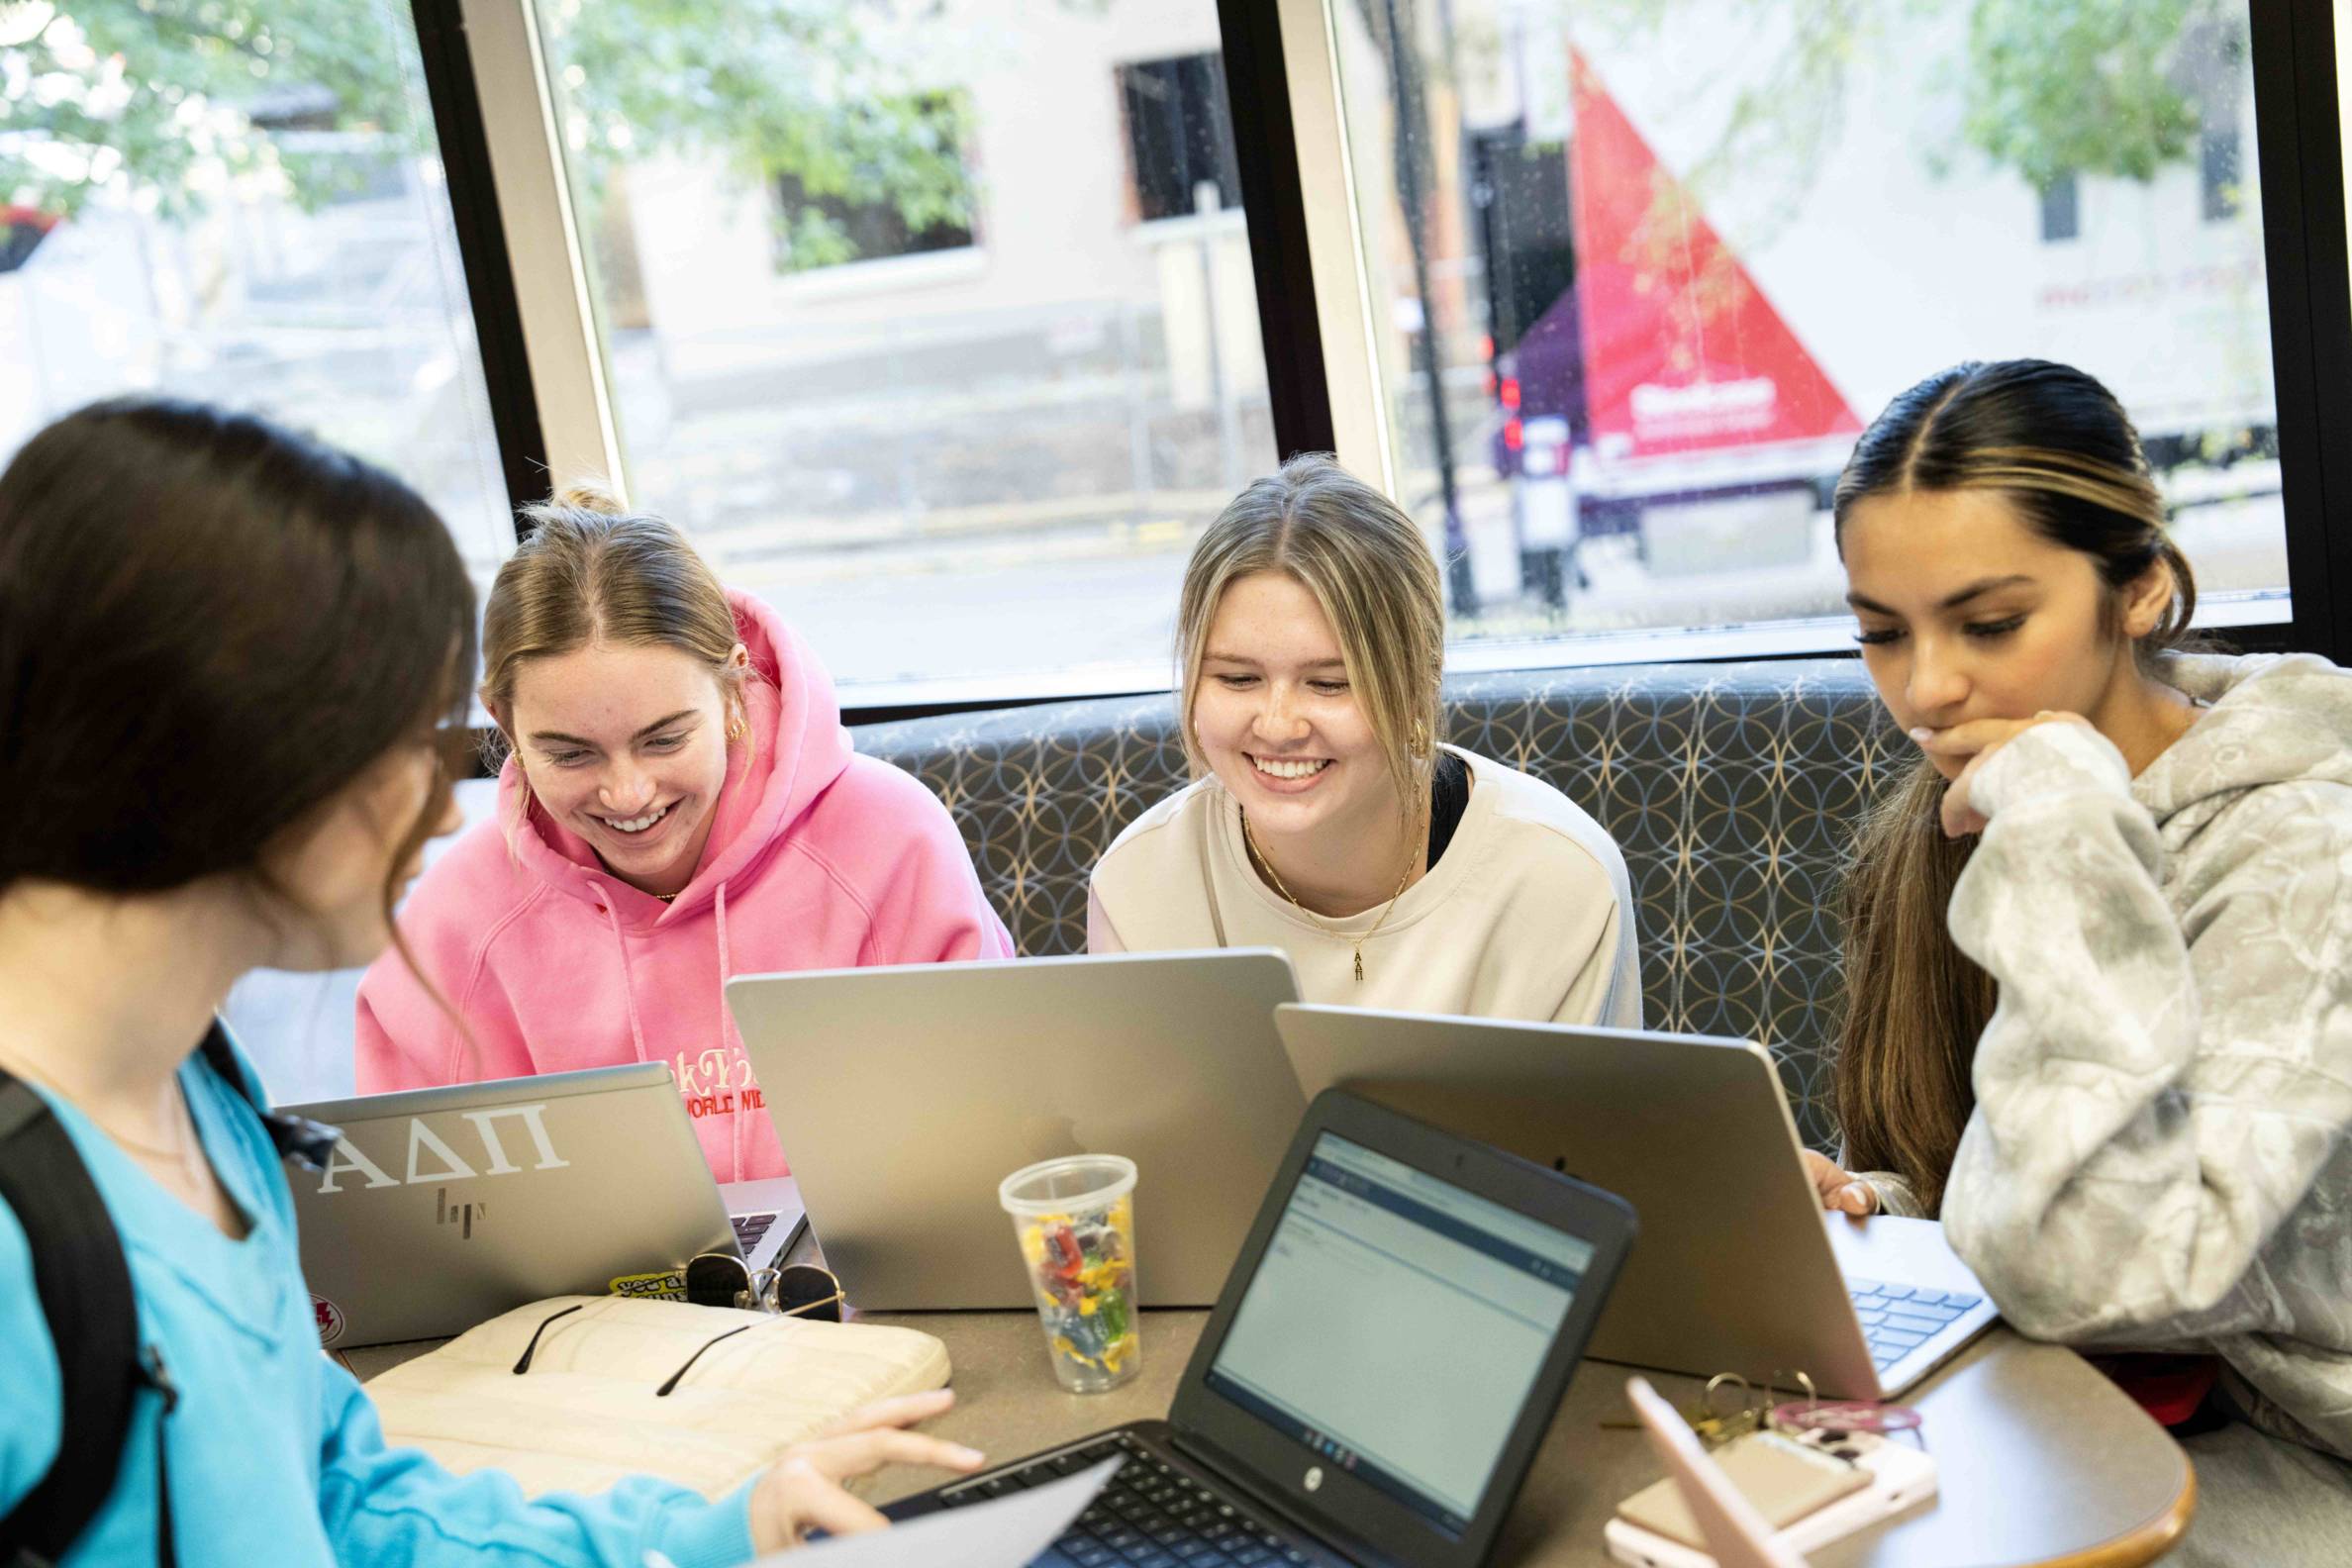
x,y
1643,271
245,205
847,209
933,326
243,202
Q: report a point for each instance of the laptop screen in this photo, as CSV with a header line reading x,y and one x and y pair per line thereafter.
x,y
1395,1326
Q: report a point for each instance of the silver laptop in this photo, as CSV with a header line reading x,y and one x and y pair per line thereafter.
x,y
904,1095
1739,1269
444,1207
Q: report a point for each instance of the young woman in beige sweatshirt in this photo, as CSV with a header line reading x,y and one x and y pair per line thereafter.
x,y
1328,817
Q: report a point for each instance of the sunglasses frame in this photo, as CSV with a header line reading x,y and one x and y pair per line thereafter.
x,y
763,1290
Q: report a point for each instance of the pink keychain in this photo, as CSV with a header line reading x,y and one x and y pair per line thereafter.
x,y
1866,1415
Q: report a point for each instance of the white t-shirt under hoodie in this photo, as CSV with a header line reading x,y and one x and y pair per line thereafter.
x,y
1527,914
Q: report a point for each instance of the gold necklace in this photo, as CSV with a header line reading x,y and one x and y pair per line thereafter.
x,y
1251,839
184,1123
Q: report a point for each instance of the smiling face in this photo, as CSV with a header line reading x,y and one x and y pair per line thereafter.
x,y
1276,718
627,746
1967,613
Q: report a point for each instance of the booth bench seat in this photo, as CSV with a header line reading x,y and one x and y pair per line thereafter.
x,y
1734,791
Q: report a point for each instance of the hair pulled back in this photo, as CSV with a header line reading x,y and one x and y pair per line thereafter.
x,y
593,572
2058,447
1367,566
208,626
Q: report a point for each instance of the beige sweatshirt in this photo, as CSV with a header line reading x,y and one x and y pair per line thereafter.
x,y
1527,915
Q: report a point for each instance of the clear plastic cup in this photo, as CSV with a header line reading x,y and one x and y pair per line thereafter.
x,y
1075,1220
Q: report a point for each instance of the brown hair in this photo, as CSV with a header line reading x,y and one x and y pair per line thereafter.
x,y
593,572
210,626
2060,450
1366,564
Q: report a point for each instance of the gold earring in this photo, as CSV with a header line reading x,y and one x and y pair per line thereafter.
x,y
736,728
1418,746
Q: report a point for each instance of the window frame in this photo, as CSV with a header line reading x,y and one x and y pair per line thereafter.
x,y
551,410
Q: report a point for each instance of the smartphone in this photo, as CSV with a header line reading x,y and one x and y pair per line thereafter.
x,y
1785,1478
1897,1476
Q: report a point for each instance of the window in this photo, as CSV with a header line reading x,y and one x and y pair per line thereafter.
x,y
2061,209
1180,136
849,208
963,472
1641,274
246,209
2217,155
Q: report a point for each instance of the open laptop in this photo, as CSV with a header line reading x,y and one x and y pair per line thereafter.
x,y
1739,1270
441,1208
904,1095
1379,1371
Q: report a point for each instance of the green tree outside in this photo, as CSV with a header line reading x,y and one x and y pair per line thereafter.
x,y
157,98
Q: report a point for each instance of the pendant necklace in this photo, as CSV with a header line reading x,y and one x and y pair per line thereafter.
x,y
1252,839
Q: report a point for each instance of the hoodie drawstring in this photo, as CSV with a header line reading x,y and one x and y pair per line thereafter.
x,y
728,1033
636,1033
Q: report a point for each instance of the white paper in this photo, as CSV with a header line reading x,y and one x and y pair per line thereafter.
x,y
1004,1532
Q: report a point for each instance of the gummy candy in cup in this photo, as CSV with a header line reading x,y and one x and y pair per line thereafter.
x,y
1075,1220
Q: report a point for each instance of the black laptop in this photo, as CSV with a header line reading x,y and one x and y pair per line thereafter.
x,y
1377,1375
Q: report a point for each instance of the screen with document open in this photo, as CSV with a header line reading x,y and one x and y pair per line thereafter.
x,y
1395,1325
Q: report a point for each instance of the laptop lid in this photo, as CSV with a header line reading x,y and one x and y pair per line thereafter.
x,y
1694,1132
1398,1333
903,1095
441,1208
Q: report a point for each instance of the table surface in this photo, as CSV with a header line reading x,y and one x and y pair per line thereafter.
x,y
2040,1459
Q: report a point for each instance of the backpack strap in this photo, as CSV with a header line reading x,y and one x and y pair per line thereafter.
x,y
308,1143
85,1285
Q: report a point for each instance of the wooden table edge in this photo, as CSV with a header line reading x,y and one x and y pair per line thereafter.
x,y
2144,1542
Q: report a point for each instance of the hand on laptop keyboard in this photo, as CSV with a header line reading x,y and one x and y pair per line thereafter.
x,y
801,1491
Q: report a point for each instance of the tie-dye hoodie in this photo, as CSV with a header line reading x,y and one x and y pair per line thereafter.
x,y
2158,1155
820,858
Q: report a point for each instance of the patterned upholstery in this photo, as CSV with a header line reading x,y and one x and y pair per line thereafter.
x,y
1732,790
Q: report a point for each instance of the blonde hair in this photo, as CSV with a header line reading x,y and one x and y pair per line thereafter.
x,y
1364,561
590,572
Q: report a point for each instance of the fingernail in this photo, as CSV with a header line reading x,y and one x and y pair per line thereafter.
x,y
1923,734
970,1456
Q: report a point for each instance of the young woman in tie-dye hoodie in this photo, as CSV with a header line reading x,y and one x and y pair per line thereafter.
x,y
680,805
2099,943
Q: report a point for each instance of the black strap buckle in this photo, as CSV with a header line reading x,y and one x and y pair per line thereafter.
x,y
309,1144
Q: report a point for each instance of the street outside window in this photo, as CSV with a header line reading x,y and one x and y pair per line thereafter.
x,y
961,422
245,206
1642,272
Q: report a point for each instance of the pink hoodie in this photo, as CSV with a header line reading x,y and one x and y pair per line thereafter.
x,y
819,860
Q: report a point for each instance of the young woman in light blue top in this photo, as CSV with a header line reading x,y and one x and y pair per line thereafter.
x,y
225,656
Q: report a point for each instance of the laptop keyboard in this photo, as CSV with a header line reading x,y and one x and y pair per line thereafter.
x,y
1899,1318
1150,1514
749,1228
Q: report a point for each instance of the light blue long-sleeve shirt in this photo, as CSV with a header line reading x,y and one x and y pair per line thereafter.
x,y
274,1452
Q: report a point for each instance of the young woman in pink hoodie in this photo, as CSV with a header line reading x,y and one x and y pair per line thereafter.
x,y
679,804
